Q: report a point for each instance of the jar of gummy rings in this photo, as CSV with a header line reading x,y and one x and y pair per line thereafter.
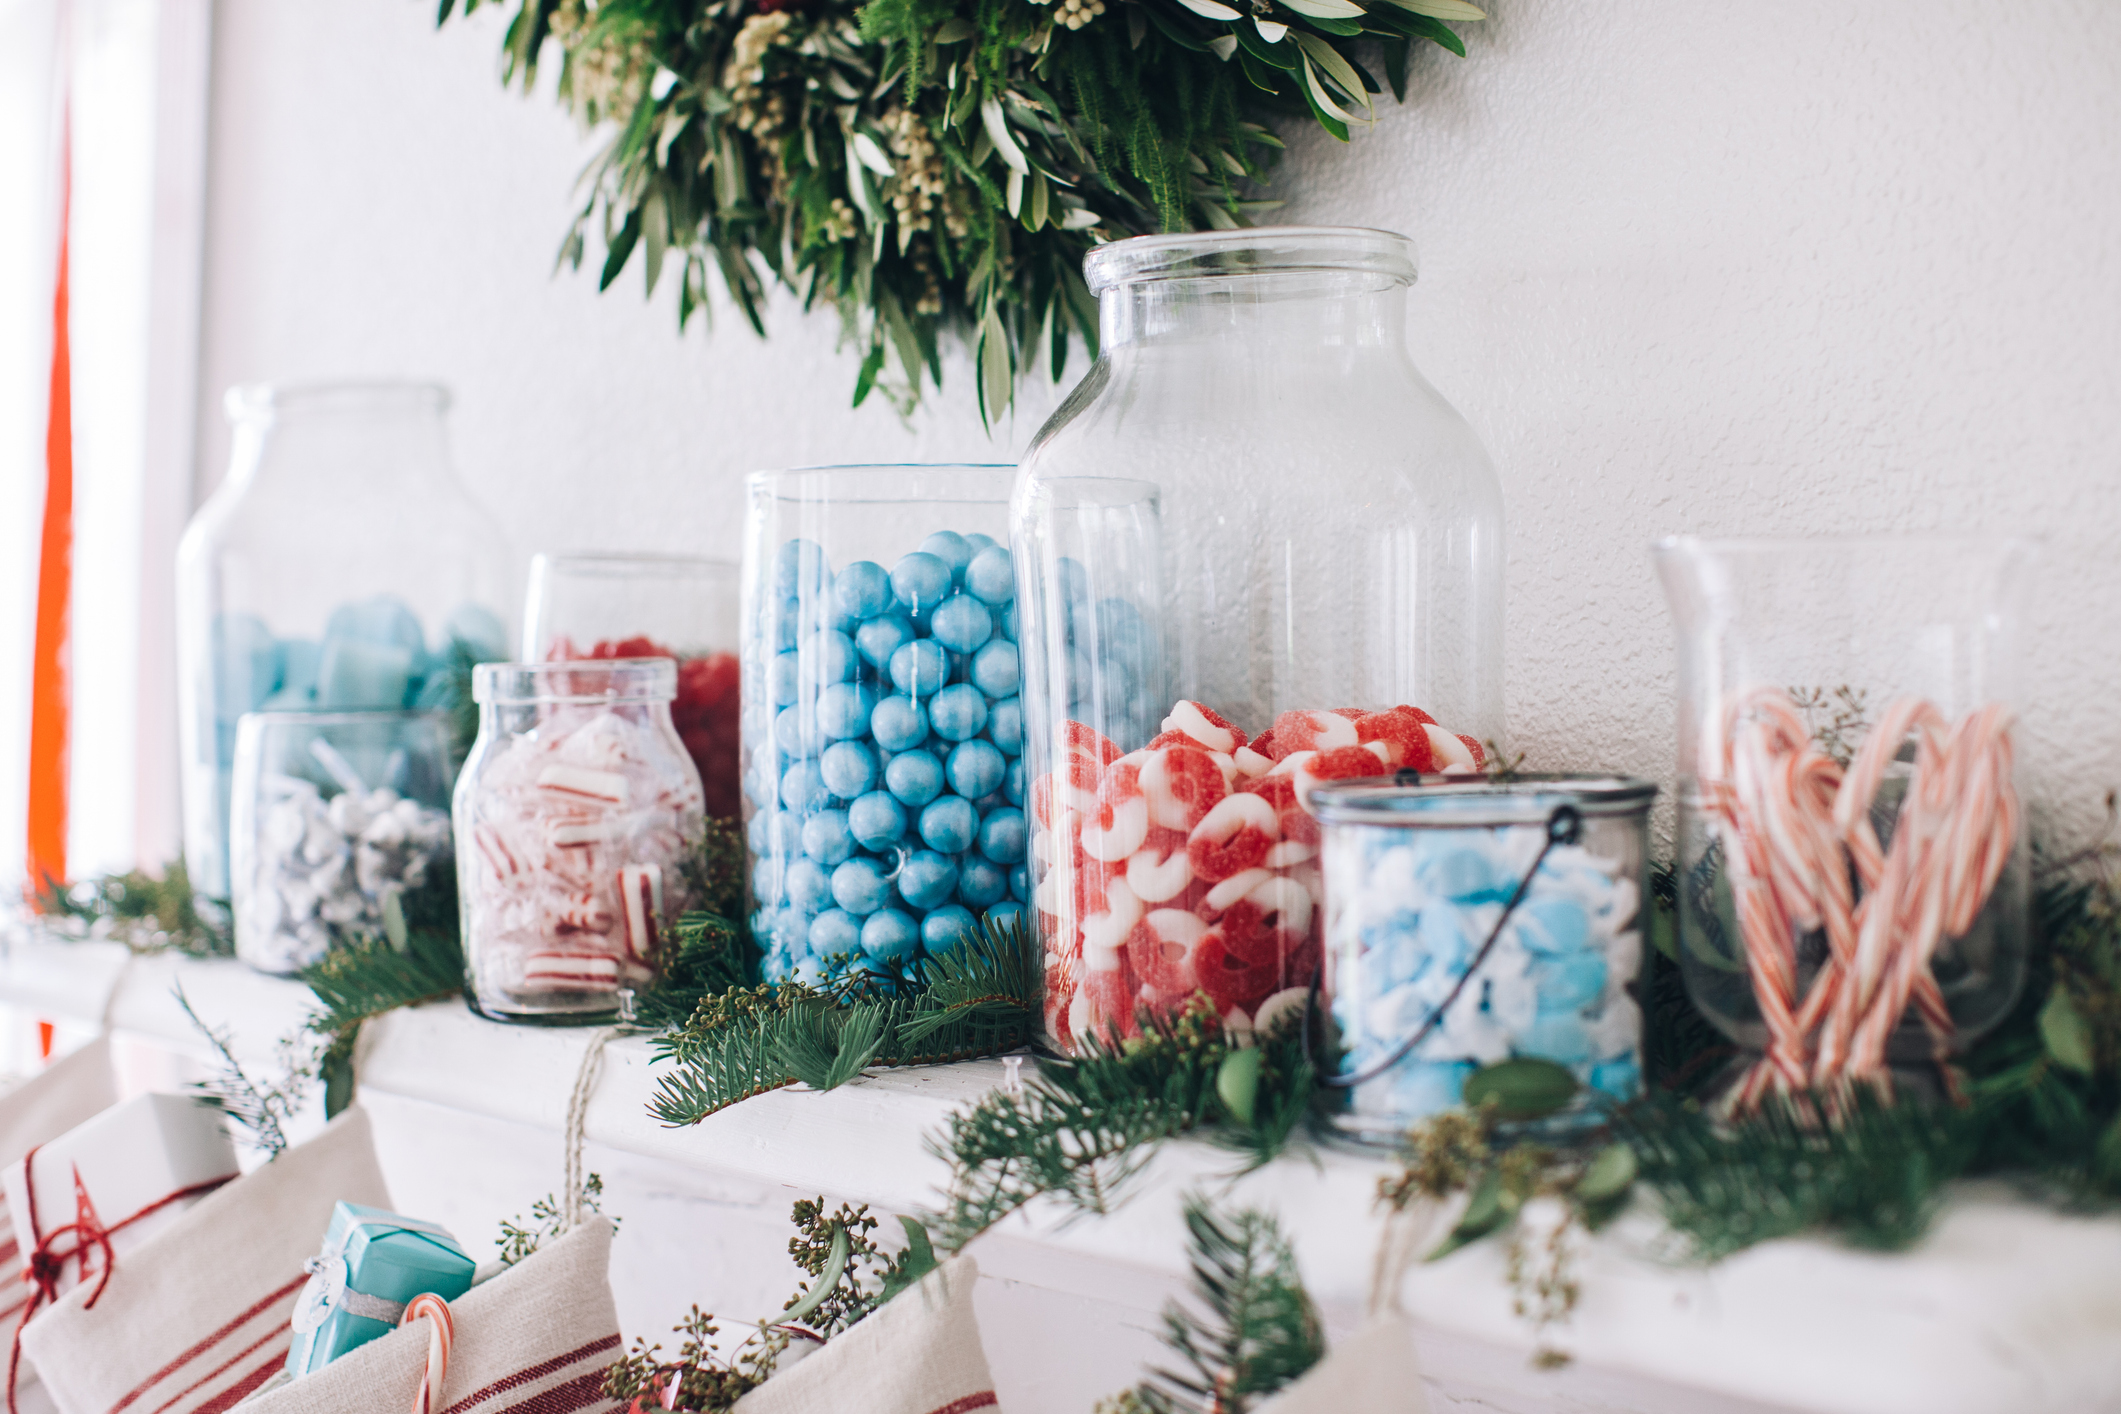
x,y
575,816
339,567
883,732
1258,552
1469,923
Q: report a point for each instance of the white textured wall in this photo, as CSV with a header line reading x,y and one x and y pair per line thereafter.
x,y
1722,268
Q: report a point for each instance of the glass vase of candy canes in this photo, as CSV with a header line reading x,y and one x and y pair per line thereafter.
x,y
1326,603
333,816
1852,872
883,732
575,817
339,567
683,607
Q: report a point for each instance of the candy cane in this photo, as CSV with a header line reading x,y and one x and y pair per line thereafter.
x,y
441,1332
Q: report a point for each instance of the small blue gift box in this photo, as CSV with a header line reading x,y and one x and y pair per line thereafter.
x,y
372,1264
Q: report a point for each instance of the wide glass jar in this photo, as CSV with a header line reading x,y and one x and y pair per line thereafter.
x,y
651,606
332,815
339,567
1854,886
883,733
1469,923
576,816
1253,526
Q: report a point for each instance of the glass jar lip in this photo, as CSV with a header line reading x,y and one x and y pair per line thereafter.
x,y
620,564
1250,250
576,681
984,481
260,402
1445,802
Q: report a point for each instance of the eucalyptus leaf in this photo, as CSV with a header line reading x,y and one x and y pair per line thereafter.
x,y
2064,1031
1522,1088
1485,1211
1610,1173
1237,1083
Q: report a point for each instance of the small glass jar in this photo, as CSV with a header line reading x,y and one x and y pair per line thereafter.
x,y
883,731
1258,546
339,567
1417,879
594,606
576,817
332,814
1826,689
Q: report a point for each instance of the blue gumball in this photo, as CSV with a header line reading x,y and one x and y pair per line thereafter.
x,y
792,734
1008,623
996,669
975,769
849,769
810,972
926,880
1002,835
800,569
1020,883
860,886
1005,726
980,542
783,678
766,875
980,883
862,590
827,656
948,824
914,777
1003,915
961,623
876,820
991,577
777,967
825,837
809,888
899,723
952,549
920,667
1122,636
921,581
803,789
880,637
1620,1077
834,931
843,710
787,625
958,713
1013,781
889,936
944,928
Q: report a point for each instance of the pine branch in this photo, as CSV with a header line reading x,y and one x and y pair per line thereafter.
x,y
262,1110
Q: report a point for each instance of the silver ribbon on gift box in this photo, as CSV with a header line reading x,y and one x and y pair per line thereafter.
x,y
329,1287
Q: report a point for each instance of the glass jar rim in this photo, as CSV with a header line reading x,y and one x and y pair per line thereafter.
x,y
258,402
848,483
1251,250
1844,544
627,563
1443,802
577,681
341,717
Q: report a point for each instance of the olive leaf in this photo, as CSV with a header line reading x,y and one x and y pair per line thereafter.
x,y
1521,1088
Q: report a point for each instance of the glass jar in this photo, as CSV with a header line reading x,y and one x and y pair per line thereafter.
x,y
1830,693
332,814
586,606
883,734
576,816
1468,923
1256,484
339,567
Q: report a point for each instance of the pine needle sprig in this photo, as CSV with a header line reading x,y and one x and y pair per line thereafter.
x,y
1252,1328
145,911
981,998
261,1109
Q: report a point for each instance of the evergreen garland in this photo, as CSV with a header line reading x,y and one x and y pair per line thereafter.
x,y
939,167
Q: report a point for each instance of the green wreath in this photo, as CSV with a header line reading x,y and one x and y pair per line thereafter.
x,y
940,165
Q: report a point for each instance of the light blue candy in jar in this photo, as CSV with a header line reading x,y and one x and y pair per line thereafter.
x,y
1480,921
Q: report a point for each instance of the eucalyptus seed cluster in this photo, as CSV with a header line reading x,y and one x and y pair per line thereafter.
x,y
917,192
755,109
1074,14
601,71
839,223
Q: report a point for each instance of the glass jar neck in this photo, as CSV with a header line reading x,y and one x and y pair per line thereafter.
x,y
389,436
1328,309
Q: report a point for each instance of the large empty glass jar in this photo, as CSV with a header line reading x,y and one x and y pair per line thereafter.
x,y
1254,525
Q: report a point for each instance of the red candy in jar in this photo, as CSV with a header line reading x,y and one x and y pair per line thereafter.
x,y
1190,867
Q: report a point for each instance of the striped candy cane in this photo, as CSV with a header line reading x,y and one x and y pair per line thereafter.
x,y
441,1332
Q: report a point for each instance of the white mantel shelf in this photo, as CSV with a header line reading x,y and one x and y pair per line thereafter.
x,y
2005,1306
